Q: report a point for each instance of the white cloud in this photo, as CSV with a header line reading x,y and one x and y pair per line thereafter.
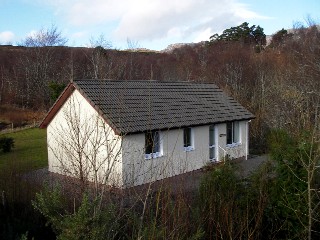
x,y
6,37
154,20
203,35
89,12
32,33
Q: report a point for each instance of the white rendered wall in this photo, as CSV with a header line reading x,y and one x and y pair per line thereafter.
x,y
138,170
81,143
236,150
175,160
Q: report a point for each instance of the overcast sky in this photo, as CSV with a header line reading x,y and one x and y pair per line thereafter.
x,y
152,24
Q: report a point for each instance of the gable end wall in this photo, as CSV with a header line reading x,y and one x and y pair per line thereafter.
x,y
81,143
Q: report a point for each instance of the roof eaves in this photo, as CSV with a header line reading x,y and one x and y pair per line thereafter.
x,y
192,125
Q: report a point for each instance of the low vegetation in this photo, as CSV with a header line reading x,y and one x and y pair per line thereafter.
x,y
275,201
279,200
6,144
15,117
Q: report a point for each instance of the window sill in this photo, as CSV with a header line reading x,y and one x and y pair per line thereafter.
x,y
188,149
232,145
152,155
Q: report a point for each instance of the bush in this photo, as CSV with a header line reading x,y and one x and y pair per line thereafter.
x,y
6,144
225,198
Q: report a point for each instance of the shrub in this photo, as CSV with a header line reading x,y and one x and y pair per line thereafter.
x,y
6,144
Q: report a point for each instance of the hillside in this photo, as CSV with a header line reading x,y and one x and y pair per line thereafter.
x,y
279,84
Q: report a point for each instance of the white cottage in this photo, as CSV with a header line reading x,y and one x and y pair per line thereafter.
x,y
127,133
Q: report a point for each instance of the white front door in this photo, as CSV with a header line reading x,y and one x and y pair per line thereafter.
x,y
212,143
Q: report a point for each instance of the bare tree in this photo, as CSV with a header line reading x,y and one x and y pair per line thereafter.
x,y
39,64
99,56
132,47
45,38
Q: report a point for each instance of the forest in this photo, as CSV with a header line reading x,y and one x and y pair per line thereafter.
x,y
277,79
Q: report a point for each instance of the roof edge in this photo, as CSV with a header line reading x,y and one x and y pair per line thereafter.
x,y
57,105
193,125
150,80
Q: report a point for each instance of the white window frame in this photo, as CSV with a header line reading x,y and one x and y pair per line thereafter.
x,y
235,126
190,147
157,154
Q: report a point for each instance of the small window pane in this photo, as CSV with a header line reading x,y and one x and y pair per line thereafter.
x,y
229,132
212,153
148,142
156,142
236,132
187,137
152,142
211,136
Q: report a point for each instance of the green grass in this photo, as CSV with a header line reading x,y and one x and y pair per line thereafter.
x,y
29,153
17,190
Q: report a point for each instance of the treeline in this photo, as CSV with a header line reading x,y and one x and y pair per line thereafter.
x,y
279,82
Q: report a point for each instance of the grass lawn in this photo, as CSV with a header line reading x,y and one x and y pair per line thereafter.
x,y
29,153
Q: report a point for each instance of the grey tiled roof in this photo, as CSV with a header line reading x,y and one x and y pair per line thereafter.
x,y
137,106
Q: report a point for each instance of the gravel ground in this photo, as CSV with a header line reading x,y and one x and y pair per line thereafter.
x,y
190,181
246,167
182,183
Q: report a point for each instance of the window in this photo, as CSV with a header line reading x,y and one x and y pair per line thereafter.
x,y
233,132
152,145
188,139
212,143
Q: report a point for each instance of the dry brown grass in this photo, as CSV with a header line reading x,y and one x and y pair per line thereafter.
x,y
18,116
